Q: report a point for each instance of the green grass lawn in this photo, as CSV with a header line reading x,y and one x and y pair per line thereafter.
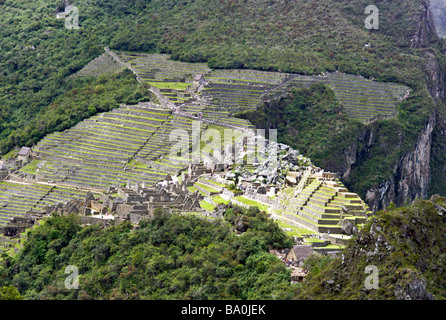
x,y
170,85
298,232
254,203
207,206
205,187
215,183
31,167
218,199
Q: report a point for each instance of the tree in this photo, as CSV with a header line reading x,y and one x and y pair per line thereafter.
x,y
10,293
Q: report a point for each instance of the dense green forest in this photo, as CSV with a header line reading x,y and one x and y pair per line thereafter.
x,y
172,256
169,256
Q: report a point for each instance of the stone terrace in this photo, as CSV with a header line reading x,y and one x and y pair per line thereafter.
x,y
102,65
322,205
156,152
159,67
365,99
100,151
231,98
16,199
230,91
361,98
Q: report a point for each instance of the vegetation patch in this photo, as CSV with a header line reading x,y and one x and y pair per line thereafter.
x,y
169,257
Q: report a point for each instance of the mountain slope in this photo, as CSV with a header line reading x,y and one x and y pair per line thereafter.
x,y
405,249
439,13
307,37
169,256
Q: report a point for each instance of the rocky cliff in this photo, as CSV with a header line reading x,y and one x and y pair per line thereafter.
x,y
397,255
396,160
410,177
412,172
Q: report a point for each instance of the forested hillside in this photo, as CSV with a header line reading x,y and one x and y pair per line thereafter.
x,y
399,254
38,53
404,248
169,256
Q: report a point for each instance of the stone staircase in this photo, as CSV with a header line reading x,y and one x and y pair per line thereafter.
x,y
322,205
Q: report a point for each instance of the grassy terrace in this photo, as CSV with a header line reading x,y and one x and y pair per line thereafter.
x,y
249,203
247,75
205,187
234,89
17,199
95,139
158,66
217,184
101,65
116,121
295,231
122,116
145,111
318,207
363,98
180,86
20,198
86,130
224,80
219,200
193,189
103,149
207,206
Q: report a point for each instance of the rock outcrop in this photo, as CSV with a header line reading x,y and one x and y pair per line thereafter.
x,y
410,177
426,30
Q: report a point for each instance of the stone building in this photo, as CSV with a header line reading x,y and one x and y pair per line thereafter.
x,y
299,253
4,172
24,154
199,80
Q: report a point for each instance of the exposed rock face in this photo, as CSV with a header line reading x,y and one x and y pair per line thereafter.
x,y
426,35
435,76
411,175
426,31
412,172
412,287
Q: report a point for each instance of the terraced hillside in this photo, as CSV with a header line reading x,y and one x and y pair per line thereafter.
x,y
365,99
101,151
225,92
156,153
131,143
323,205
362,99
134,142
16,199
159,67
102,65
